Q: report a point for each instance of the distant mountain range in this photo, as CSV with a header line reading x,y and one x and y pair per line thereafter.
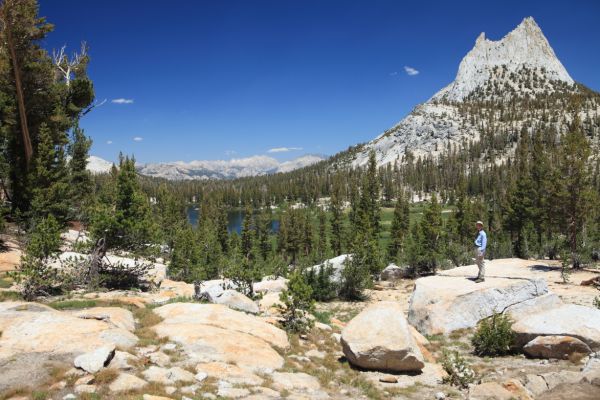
x,y
213,169
501,87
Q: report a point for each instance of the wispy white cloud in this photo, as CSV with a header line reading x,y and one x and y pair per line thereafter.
x,y
230,152
109,142
138,138
394,73
122,101
283,149
411,71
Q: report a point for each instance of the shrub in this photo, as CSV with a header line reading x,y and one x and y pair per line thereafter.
x,y
355,278
120,276
597,302
297,304
73,304
459,372
243,273
565,272
323,287
494,336
106,274
35,274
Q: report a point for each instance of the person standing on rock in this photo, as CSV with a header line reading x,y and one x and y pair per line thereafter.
x,y
480,244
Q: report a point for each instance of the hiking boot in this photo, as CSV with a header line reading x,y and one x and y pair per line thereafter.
x,y
479,280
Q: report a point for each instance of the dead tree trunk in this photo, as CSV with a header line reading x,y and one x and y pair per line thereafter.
x,y
18,86
96,262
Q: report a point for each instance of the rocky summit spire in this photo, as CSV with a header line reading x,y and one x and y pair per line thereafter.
x,y
525,46
520,66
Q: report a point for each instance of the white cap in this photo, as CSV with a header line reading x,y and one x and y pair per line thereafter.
x,y
479,223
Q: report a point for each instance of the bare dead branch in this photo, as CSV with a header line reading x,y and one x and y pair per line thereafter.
x,y
67,65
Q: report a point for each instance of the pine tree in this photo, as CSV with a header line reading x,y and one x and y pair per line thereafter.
x,y
307,233
170,214
425,245
35,275
370,192
34,97
323,243
365,221
356,275
400,227
50,187
431,226
297,304
127,223
186,256
210,250
222,227
364,261
520,200
354,207
574,194
337,224
248,234
540,175
80,181
291,234
263,232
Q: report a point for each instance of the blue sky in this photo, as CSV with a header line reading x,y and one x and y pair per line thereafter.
x,y
221,79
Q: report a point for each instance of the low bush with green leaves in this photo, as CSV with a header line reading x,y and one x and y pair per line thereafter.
x,y
494,336
459,372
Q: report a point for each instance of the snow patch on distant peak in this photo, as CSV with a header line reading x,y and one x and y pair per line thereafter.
x,y
299,162
97,165
525,46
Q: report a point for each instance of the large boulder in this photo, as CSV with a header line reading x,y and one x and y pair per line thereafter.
x,y
73,236
560,347
230,373
168,376
94,361
34,335
270,285
235,300
533,306
452,300
214,288
571,320
10,257
116,316
299,384
337,265
172,289
509,390
270,303
216,333
379,338
33,327
591,371
393,272
127,382
489,391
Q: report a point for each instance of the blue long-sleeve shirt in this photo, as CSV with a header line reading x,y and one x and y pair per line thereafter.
x,y
481,241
